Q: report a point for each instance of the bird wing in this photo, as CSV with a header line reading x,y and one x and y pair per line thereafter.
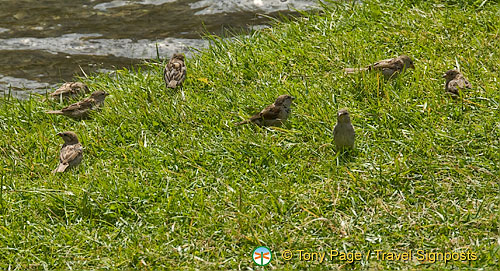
x,y
70,152
464,83
269,113
456,84
183,73
335,131
452,86
175,70
86,103
70,88
165,74
393,63
467,84
65,88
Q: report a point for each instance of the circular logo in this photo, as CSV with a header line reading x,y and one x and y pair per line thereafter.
x,y
262,256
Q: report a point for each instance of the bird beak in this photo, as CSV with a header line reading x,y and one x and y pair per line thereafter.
x,y
293,98
107,94
59,134
444,75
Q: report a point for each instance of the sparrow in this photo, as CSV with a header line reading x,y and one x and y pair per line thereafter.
x,y
81,109
390,68
69,89
455,81
175,71
71,152
343,133
274,114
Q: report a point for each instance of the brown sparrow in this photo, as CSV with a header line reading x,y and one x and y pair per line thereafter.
x,y
81,109
274,114
455,81
175,71
71,152
343,133
390,68
69,90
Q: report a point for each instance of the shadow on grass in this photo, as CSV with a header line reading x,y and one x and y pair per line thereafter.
x,y
345,157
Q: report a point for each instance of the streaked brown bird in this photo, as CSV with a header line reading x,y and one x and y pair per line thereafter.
x,y
71,153
69,90
390,68
455,81
175,71
82,109
343,133
274,114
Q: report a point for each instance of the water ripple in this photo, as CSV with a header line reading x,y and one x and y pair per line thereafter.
x,y
91,44
121,3
264,6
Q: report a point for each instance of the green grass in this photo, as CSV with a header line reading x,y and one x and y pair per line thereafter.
x,y
168,183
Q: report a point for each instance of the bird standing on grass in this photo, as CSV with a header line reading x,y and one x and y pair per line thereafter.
x,y
455,81
82,109
390,68
175,71
71,152
343,133
69,90
274,114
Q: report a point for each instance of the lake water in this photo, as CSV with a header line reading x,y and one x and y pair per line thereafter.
x,y
46,42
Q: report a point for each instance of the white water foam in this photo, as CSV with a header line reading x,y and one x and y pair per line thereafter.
x,y
264,6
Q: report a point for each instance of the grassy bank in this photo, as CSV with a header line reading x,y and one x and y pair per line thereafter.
x,y
170,183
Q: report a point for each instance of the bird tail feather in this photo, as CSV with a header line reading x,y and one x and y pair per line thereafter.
x,y
61,168
172,84
57,112
243,122
355,70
